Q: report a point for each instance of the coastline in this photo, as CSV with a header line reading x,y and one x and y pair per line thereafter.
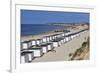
x,y
72,29
62,53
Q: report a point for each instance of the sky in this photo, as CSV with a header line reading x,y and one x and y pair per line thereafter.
x,y
45,17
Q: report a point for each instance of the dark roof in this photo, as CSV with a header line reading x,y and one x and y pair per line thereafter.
x,y
26,52
45,44
35,48
26,41
58,39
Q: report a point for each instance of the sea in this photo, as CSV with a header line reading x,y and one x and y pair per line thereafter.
x,y
34,29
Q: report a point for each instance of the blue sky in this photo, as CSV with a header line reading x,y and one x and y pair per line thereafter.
x,y
44,17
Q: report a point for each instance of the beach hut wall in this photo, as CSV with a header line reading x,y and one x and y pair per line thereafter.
x,y
66,38
38,41
23,59
37,51
30,43
44,39
48,38
59,35
26,56
63,34
66,34
59,43
55,36
44,48
49,46
55,44
62,41
26,44
34,42
69,38
51,38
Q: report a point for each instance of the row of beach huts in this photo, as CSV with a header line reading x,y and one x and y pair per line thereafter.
x,y
36,48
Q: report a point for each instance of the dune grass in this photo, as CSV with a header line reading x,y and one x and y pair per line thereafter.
x,y
80,52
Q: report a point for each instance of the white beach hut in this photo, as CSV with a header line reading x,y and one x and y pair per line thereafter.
x,y
34,43
44,48
44,39
69,37
51,38
38,52
62,40
73,35
26,56
66,38
48,38
22,59
63,34
58,36
38,41
26,44
56,42
49,46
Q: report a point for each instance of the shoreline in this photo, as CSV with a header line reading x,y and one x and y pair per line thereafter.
x,y
72,29
65,51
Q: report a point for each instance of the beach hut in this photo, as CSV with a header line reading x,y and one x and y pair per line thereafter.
x,y
26,56
66,38
63,34
44,39
44,48
57,42
26,44
22,58
51,38
30,43
34,43
37,51
73,35
48,38
69,37
38,41
49,46
62,40
58,36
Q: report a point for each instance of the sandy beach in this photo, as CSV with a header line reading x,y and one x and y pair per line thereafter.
x,y
62,52
39,36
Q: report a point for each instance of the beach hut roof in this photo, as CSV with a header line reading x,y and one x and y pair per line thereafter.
x,y
45,44
25,52
58,39
38,39
34,47
26,41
